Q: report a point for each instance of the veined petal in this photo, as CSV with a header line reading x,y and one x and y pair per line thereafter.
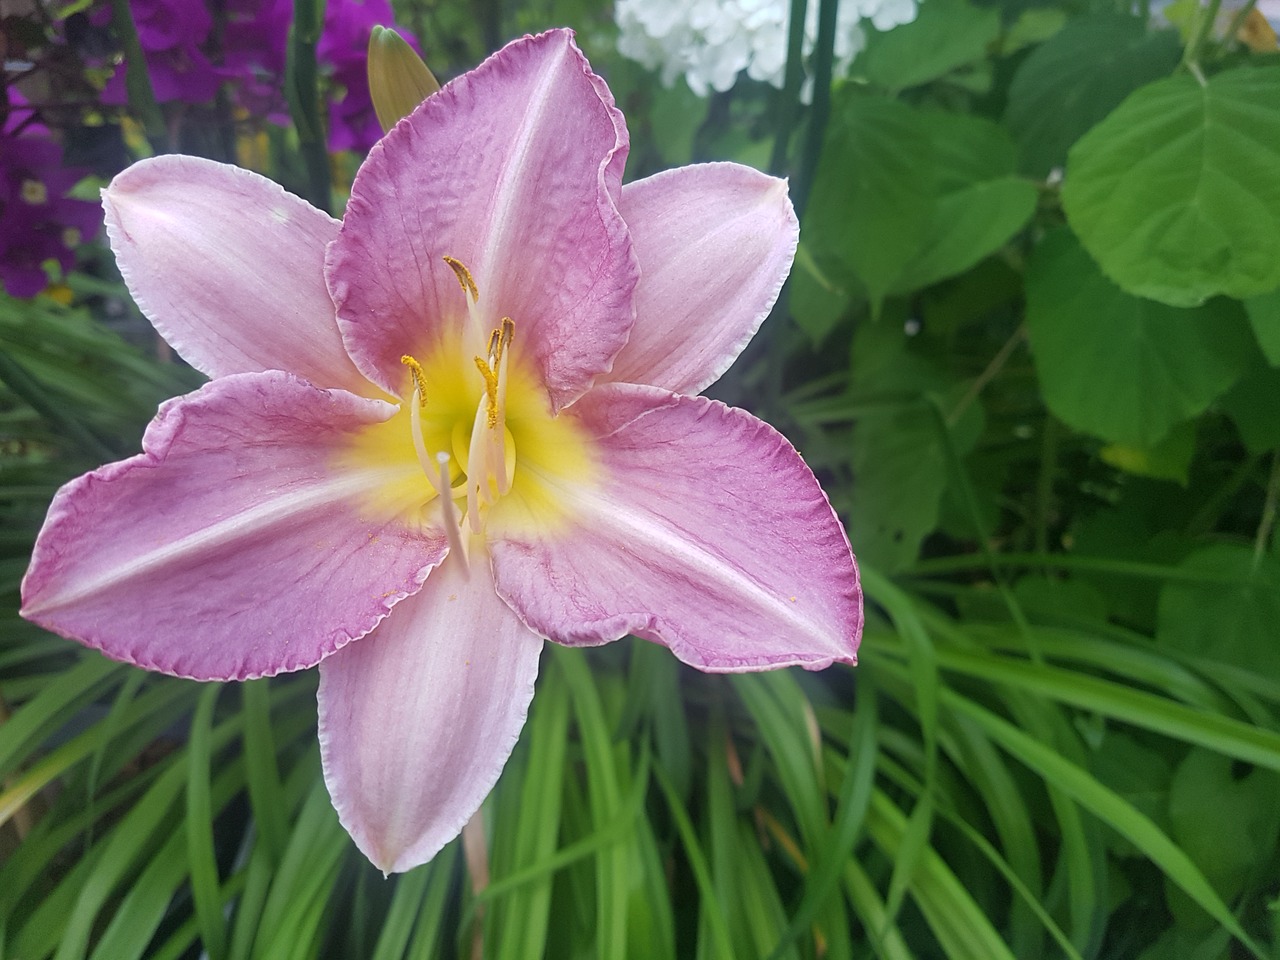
x,y
237,545
418,718
704,531
229,268
714,243
513,170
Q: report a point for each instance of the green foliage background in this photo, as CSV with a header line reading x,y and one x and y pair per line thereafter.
x,y
1032,347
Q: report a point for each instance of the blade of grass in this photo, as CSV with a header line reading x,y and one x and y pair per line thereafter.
x,y
1109,807
613,871
205,886
721,943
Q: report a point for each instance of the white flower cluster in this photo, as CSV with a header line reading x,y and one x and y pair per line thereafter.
x,y
710,42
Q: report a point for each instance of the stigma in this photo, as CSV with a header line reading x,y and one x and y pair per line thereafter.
x,y
475,466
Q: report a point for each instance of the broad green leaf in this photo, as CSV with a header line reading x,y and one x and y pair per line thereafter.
x,y
1138,774
1264,315
1032,26
1118,366
1078,76
818,301
945,35
899,457
1175,193
874,190
968,225
1229,622
979,205
1252,404
1168,459
1227,824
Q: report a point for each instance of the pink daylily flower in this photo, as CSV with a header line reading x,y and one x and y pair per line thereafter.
x,y
459,422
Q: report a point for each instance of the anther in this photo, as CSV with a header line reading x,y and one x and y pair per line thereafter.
x,y
464,277
490,389
419,378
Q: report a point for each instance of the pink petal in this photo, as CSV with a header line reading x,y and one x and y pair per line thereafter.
x,y
229,268
418,718
513,169
715,243
707,533
236,545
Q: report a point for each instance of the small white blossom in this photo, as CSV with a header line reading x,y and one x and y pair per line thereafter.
x,y
711,42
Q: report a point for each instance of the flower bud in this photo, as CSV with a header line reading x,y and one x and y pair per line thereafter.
x,y
398,79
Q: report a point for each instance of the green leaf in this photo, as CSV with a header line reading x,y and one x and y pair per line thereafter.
x,y
1169,459
968,225
1227,824
1175,193
873,192
1074,79
1032,26
945,35
899,457
1264,315
1251,403
817,300
1109,807
1117,366
1232,622
979,206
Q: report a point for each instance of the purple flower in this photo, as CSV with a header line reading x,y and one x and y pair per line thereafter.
x,y
176,38
172,34
38,221
343,49
460,422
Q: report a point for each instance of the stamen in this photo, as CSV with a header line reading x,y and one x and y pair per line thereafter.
x,y
419,378
415,429
491,384
494,370
452,528
464,277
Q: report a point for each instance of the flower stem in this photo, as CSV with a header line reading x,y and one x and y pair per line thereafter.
x,y
1203,25
787,101
823,55
302,92
137,83
1267,523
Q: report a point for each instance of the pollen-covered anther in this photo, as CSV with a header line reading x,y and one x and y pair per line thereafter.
x,y
419,378
492,370
464,277
415,414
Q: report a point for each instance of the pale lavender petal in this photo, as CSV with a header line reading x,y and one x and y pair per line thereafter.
x,y
240,544
703,530
229,268
715,243
418,718
514,170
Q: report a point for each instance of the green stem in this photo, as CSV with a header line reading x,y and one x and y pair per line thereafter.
x,y
303,93
1267,524
787,102
823,57
1044,482
137,83
1237,21
1203,26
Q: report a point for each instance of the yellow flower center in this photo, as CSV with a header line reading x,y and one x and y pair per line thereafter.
x,y
488,452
